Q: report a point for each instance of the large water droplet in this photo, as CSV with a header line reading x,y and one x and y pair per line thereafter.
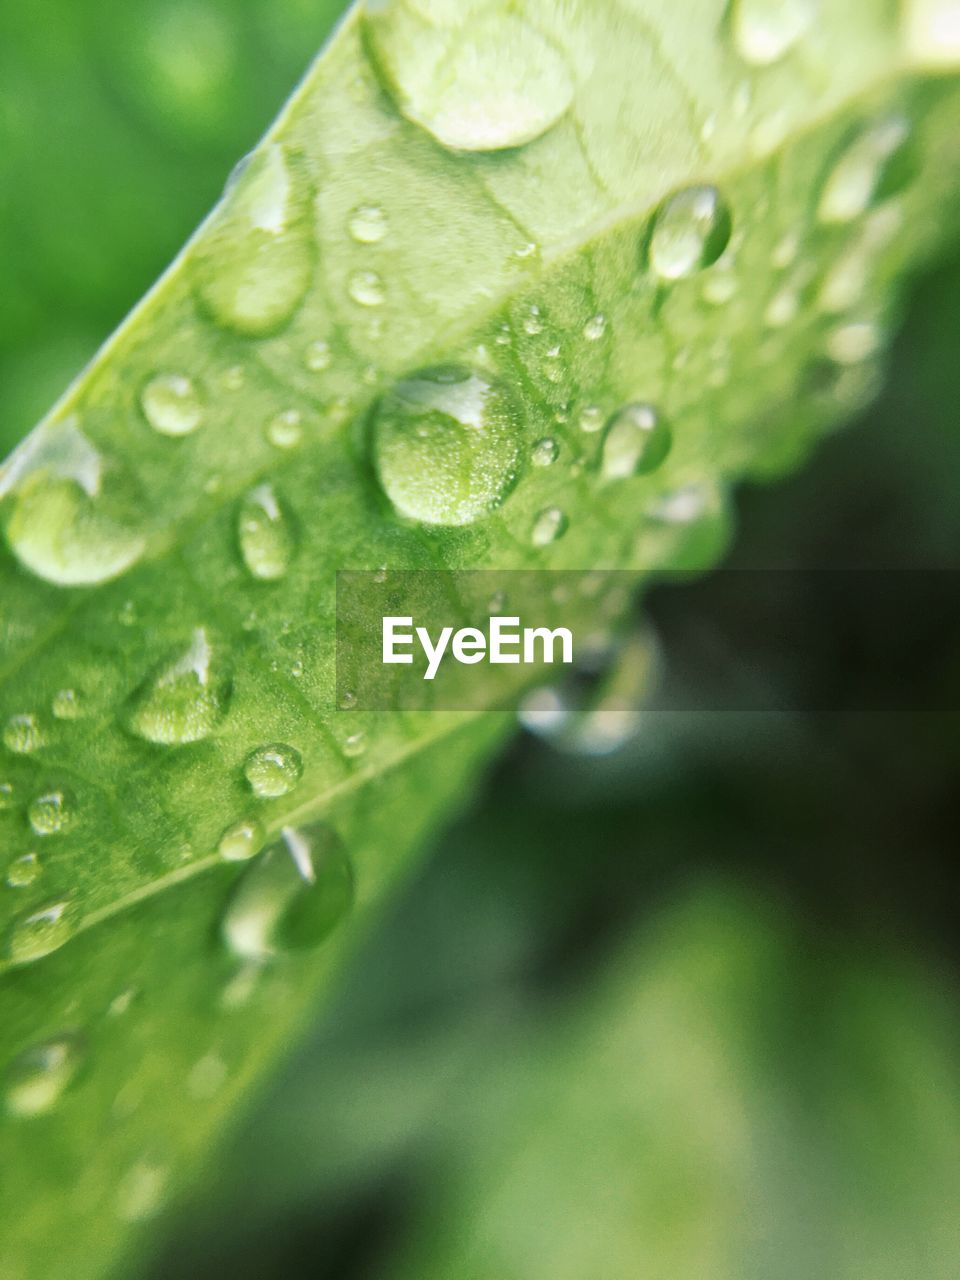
x,y
41,932
690,231
68,515
185,698
23,871
637,441
254,262
22,734
265,535
293,896
171,404
765,31
476,80
52,813
273,770
36,1080
932,31
875,165
445,445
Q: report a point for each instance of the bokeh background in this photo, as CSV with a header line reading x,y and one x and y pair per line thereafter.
x,y
687,1010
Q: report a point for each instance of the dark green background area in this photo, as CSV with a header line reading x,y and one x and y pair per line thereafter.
x,y
789,879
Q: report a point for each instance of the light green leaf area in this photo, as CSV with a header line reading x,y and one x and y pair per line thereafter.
x,y
640,250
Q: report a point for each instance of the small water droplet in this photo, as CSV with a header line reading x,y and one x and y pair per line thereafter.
x,y
868,170
120,1004
720,287
854,343
207,1077
22,735
690,232
533,322
783,308
446,446
185,698
234,378
476,81
37,1079
318,357
273,770
67,705
348,700
765,31
366,289
24,871
242,841
72,520
682,506
550,525
368,224
172,404
591,418
8,797
637,441
785,251
265,535
52,813
355,745
285,431
292,897
141,1191
254,262
595,328
545,452
41,932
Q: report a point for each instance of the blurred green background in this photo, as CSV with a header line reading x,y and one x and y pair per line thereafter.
x,y
684,1011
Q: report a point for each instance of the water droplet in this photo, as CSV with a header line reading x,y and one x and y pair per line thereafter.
x,y
477,81
265,535
71,519
533,322
273,770
785,251
446,446
185,698
23,871
285,431
41,932
355,745
67,705
783,308
595,328
348,700
142,1190
636,442
120,1004
591,418
690,231
242,841
366,289
550,525
234,378
22,735
720,287
368,224
765,31
854,343
932,31
37,1079
873,166
682,506
318,357
207,1076
172,405
254,261
8,798
52,813
292,897
545,452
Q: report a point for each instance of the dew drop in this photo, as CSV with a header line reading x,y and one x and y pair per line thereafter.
x,y
445,446
22,735
318,357
185,698
242,841
637,441
854,343
71,519
355,745
234,378
595,328
690,231
782,309
265,535
765,31
41,932
172,404
273,770
545,452
52,813
533,322
292,897
24,871
875,165
591,418
67,705
8,798
254,262
366,289
141,1191
38,1078
550,525
368,224
285,431
476,81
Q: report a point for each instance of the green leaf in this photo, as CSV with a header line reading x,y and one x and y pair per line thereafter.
x,y
625,218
